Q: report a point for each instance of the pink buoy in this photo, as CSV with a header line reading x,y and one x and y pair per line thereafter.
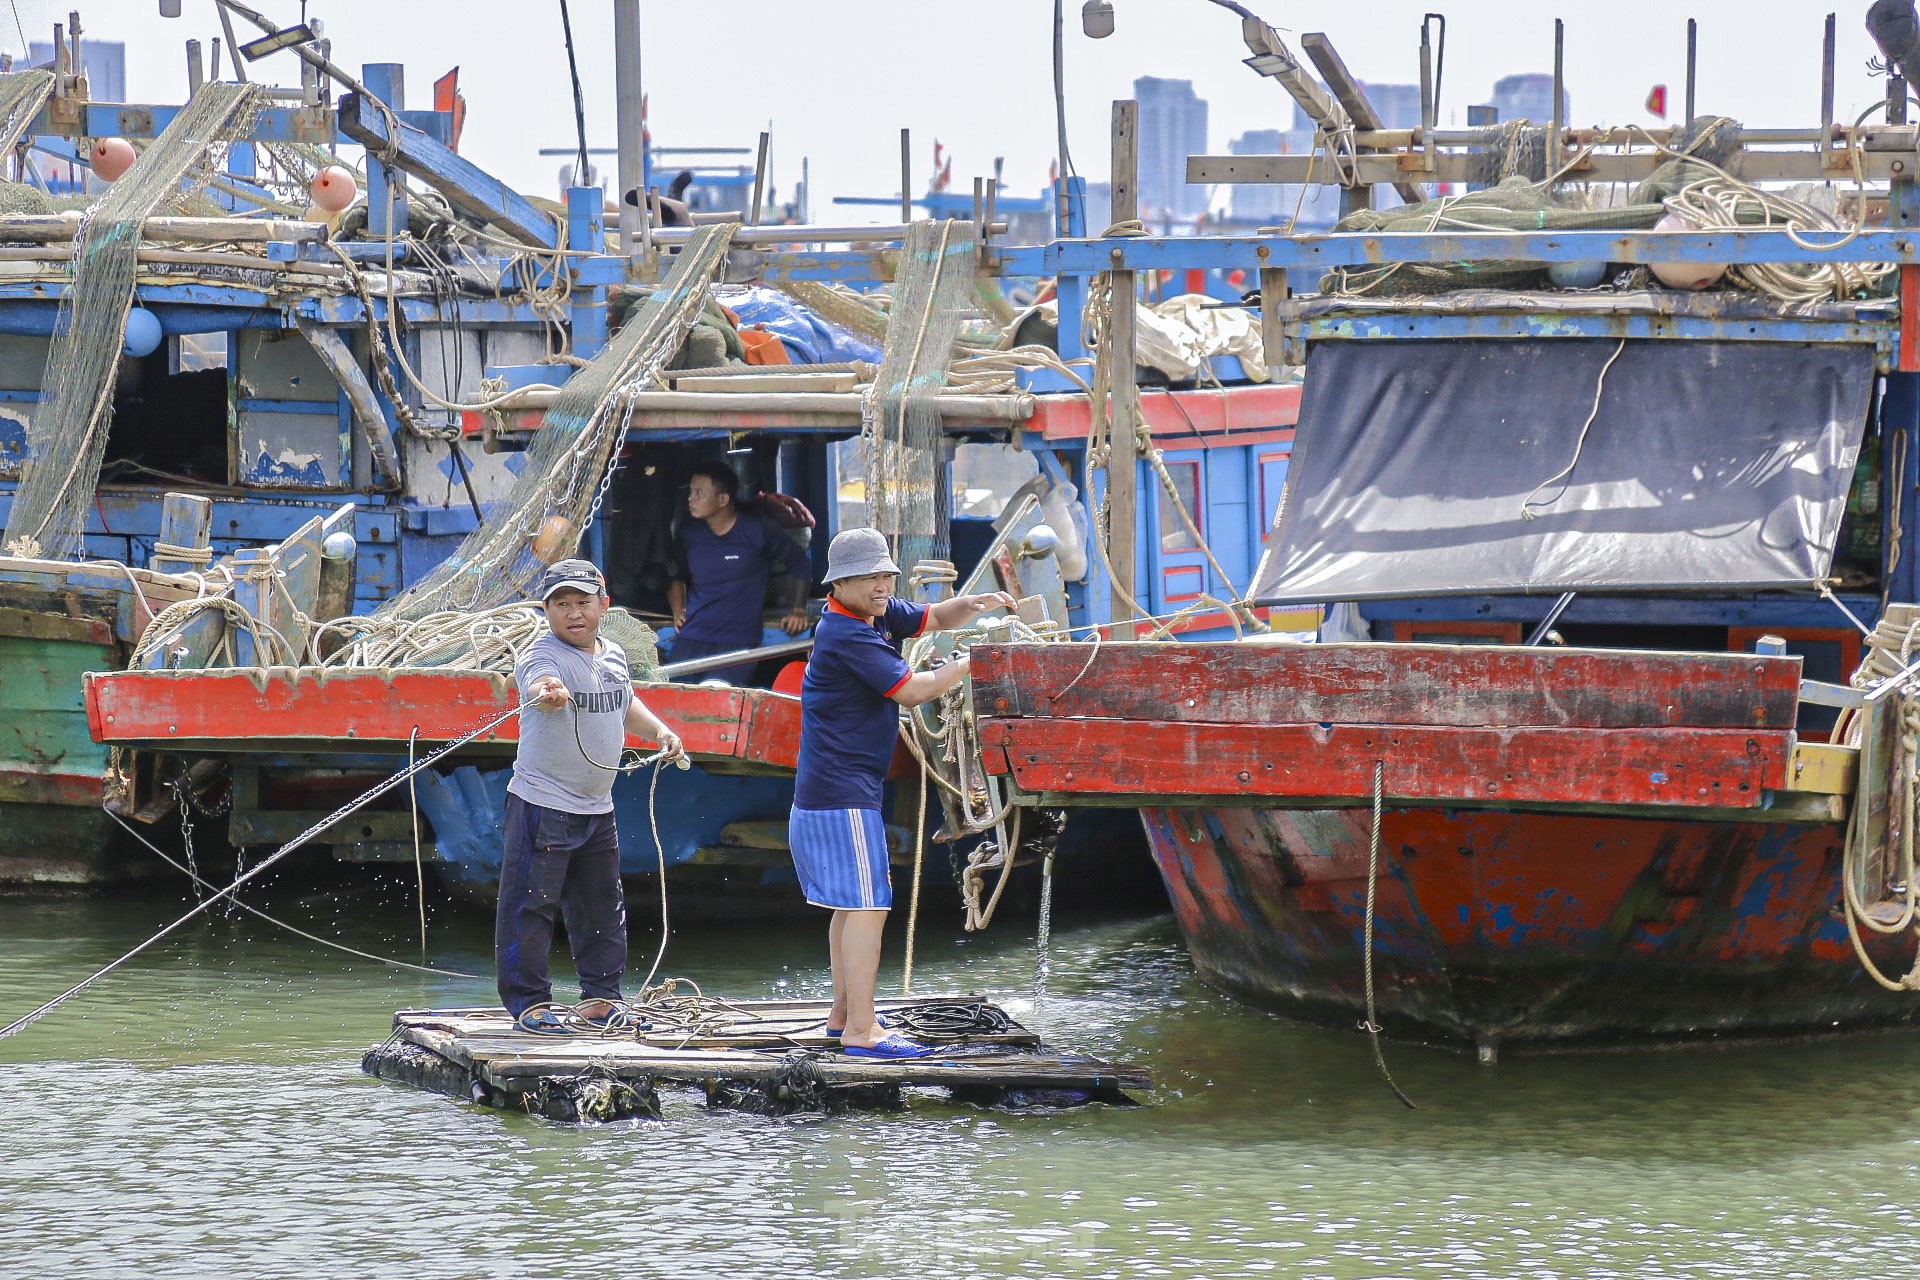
x,y
1685,275
111,157
333,188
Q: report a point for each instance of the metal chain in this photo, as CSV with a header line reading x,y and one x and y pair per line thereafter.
x,y
186,838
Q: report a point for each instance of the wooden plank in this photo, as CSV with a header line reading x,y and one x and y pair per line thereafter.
x,y
768,382
361,401
1823,768
1352,97
186,521
1388,684
466,186
1459,166
1725,768
31,228
83,627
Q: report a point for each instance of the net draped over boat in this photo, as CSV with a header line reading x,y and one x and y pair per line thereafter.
x,y
558,491
933,298
67,435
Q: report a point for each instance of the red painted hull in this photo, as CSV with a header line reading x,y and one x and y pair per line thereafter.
x,y
1528,928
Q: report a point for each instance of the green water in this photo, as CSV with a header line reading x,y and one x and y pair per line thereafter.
x,y
202,1113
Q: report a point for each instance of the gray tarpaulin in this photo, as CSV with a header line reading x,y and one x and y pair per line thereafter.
x,y
1709,464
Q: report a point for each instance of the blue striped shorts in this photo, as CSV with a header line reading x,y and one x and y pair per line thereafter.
x,y
841,855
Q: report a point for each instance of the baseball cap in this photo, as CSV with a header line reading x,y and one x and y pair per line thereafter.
x,y
582,575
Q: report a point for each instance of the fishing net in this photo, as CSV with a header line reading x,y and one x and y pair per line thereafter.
x,y
1514,205
570,460
67,436
932,299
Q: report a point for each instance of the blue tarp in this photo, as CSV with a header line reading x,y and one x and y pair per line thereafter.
x,y
808,338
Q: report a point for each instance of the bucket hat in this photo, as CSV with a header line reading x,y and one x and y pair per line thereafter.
x,y
855,553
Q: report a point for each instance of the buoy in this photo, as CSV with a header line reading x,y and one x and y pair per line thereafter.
x,y
143,333
556,539
111,157
333,188
1685,275
1576,275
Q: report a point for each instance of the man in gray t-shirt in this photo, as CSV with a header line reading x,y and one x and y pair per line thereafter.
x,y
562,851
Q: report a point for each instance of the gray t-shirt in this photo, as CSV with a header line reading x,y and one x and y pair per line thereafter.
x,y
549,769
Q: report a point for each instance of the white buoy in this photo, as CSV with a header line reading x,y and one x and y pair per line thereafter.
x,y
1692,276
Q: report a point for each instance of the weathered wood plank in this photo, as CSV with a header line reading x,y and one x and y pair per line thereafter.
x,y
1727,768
1387,684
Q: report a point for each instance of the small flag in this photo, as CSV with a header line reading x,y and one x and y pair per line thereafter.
x,y
448,98
1657,101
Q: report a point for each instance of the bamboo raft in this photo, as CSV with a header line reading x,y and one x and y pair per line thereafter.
x,y
766,1056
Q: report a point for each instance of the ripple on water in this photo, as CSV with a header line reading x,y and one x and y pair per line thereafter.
x,y
202,1111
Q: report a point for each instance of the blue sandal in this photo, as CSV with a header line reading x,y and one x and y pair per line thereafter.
x,y
892,1046
541,1021
833,1034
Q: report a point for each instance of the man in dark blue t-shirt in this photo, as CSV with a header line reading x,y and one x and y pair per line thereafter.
x,y
850,702
727,556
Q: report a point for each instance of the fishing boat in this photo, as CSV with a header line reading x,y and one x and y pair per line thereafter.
x,y
283,730
1607,739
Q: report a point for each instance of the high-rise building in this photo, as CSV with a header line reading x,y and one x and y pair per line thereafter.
x,y
1173,126
1529,97
1260,202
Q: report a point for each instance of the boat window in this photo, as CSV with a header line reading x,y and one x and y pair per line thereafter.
x,y
1174,534
168,428
985,477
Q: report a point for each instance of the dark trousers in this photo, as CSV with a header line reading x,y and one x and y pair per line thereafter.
x,y
566,865
686,650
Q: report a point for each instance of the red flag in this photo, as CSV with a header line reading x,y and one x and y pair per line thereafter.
x,y
1657,101
447,97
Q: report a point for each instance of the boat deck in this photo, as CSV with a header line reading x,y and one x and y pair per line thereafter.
x,y
769,1056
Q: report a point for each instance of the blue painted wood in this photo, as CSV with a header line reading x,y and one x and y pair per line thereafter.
x,y
1549,324
464,184
386,189
1179,253
274,124
587,312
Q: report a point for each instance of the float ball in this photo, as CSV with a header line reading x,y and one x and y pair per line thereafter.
x,y
111,157
333,188
1685,275
143,333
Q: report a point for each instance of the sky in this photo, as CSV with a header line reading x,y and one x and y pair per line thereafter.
x,y
836,80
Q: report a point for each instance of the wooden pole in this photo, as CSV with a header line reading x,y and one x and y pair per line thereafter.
x,y
759,179
1123,468
906,175
629,121
1693,49
1554,150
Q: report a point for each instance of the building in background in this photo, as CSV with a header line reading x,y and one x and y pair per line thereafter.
x,y
105,64
1173,126
1528,97
1260,203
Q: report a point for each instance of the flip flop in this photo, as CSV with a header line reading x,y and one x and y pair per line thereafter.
x,y
893,1046
541,1022
833,1034
618,1017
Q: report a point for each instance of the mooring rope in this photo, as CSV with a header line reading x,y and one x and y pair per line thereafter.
x,y
21,1023
200,883
1371,1026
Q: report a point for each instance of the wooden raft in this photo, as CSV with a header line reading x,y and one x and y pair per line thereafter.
x,y
772,1056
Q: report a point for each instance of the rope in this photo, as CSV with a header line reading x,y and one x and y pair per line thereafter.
x,y
919,856
200,884
419,868
1526,507
1371,1026
26,1020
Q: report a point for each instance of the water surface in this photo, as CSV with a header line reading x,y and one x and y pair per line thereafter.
x,y
202,1111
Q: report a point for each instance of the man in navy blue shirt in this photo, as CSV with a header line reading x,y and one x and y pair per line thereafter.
x,y
850,702
727,556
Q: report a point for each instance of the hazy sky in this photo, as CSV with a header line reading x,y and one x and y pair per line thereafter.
x,y
837,79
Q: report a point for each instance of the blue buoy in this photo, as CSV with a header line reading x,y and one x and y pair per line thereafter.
x,y
143,333
1577,275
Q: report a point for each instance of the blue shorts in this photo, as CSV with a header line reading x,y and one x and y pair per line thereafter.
x,y
841,855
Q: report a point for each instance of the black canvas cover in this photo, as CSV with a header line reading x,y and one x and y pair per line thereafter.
x,y
1707,465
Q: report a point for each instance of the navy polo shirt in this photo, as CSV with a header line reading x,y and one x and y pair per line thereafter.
x,y
848,723
726,576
